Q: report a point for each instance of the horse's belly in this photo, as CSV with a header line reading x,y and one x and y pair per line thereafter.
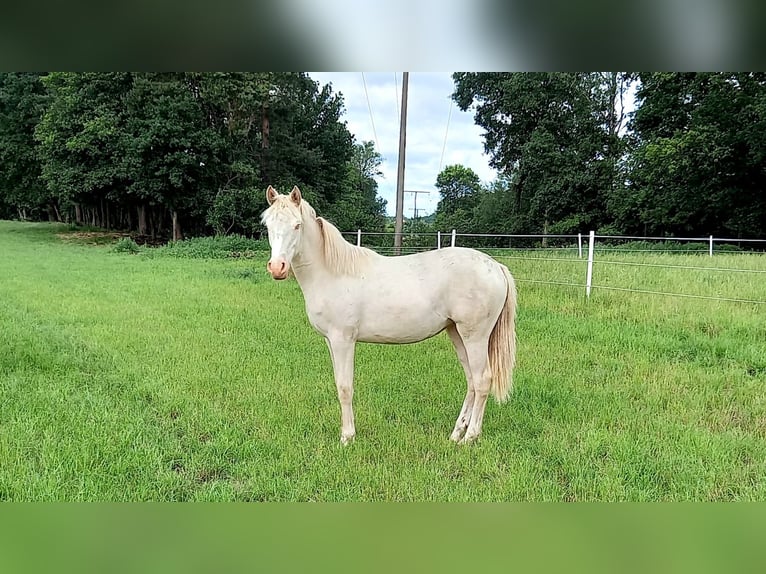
x,y
394,328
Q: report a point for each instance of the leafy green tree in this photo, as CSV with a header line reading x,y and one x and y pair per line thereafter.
x,y
80,144
158,152
277,129
497,210
612,101
22,101
309,146
545,132
698,162
167,146
237,106
459,188
359,205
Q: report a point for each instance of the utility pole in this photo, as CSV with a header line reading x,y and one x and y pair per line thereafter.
x,y
400,169
415,199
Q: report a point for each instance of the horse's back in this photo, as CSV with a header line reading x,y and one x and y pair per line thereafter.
x,y
451,264
459,283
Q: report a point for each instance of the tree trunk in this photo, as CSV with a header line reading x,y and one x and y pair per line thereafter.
x,y
56,210
142,219
545,232
177,235
265,128
78,214
265,144
517,198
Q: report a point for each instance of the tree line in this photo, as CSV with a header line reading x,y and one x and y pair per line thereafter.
x,y
689,159
163,154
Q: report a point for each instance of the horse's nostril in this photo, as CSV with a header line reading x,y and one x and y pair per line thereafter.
x,y
278,267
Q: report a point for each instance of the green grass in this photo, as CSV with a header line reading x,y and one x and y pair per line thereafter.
x,y
142,376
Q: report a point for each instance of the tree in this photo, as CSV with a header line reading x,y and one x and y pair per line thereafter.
x,y
80,145
548,133
238,108
22,101
698,160
308,144
497,211
167,147
459,188
277,129
359,205
153,152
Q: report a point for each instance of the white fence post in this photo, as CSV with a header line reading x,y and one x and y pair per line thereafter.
x,y
438,240
453,237
589,276
579,245
358,237
711,246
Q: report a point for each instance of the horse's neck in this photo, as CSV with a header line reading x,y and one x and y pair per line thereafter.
x,y
308,265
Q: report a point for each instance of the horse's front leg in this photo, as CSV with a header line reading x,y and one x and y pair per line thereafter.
x,y
342,351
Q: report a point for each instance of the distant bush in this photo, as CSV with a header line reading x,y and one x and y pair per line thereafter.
x,y
218,247
126,245
668,246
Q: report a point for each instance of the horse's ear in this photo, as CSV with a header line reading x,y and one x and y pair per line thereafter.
x,y
295,195
271,195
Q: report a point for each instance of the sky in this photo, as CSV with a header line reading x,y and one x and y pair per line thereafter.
x,y
430,118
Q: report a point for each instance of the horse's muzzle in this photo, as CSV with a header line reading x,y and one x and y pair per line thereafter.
x,y
277,268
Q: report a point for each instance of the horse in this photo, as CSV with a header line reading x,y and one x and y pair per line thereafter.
x,y
353,294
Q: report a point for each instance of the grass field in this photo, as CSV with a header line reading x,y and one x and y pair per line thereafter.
x,y
150,377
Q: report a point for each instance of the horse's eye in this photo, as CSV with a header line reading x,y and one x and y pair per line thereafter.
x,y
297,226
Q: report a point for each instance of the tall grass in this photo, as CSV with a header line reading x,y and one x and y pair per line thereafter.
x,y
133,377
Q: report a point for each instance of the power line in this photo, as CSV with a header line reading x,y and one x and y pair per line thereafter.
x,y
444,146
369,107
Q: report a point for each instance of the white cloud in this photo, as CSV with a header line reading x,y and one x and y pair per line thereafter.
x,y
428,109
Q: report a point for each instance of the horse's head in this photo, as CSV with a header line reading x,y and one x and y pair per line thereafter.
x,y
284,221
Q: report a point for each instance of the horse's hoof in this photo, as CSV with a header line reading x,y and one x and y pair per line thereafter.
x,y
345,440
468,439
456,436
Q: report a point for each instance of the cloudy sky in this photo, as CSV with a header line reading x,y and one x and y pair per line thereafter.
x,y
428,112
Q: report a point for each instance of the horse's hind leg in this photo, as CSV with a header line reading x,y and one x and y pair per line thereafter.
x,y
477,348
465,413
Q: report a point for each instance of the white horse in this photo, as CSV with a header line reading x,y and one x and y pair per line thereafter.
x,y
354,294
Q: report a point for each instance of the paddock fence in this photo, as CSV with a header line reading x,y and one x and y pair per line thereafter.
x,y
593,261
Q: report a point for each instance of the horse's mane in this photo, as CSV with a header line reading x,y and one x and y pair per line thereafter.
x,y
340,256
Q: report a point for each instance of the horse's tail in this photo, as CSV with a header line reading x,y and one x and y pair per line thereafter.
x,y
502,343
